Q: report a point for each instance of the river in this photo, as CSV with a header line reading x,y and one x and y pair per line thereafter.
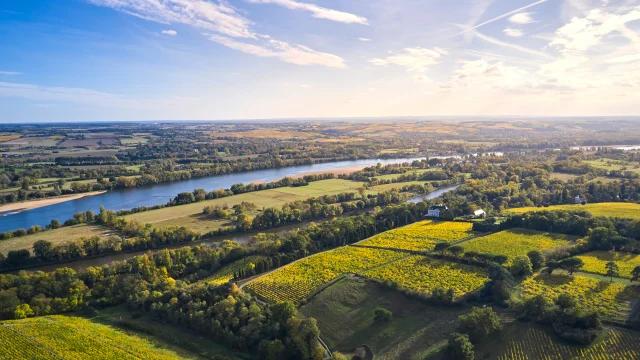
x,y
124,199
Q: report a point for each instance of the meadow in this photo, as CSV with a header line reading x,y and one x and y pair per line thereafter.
x,y
69,337
610,299
57,236
422,235
298,280
522,342
395,176
424,274
614,165
344,311
596,261
612,209
516,242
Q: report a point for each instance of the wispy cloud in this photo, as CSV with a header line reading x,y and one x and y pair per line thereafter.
x,y
224,19
416,60
364,39
317,11
511,46
623,59
513,32
170,32
295,54
501,16
10,73
521,18
76,95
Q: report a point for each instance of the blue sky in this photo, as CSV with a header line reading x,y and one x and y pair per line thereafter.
x,y
80,60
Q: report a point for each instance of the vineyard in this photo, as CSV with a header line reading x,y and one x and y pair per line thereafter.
x,y
537,344
296,281
607,298
424,274
421,236
617,209
517,242
596,261
225,274
68,337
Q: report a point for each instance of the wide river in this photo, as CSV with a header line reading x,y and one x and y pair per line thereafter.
x,y
124,199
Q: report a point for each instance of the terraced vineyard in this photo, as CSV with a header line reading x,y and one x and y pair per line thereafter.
x,y
517,242
609,299
225,274
69,337
296,281
422,235
537,344
596,261
424,274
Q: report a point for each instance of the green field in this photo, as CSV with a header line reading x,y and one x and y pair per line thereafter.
x,y
562,176
395,176
70,337
57,236
612,209
189,215
345,309
517,242
520,341
596,261
614,165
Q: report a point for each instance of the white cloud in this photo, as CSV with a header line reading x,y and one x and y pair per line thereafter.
x,y
317,11
10,73
521,18
295,54
512,46
217,17
364,39
416,60
170,32
501,16
513,32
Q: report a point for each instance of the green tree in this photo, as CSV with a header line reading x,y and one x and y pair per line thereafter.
x,y
43,250
612,270
537,259
566,301
456,250
521,266
460,347
441,247
572,264
22,311
635,274
283,311
479,323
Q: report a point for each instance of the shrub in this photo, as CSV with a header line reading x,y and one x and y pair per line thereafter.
x,y
460,347
381,315
479,323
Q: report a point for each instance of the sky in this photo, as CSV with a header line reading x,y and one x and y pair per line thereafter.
x,y
103,60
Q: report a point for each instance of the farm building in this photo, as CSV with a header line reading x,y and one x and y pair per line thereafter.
x,y
434,211
479,214
579,199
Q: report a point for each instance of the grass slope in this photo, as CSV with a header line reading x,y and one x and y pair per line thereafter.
x,y
612,209
57,236
345,317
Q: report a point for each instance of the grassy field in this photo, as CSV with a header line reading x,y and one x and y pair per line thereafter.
x,y
388,187
610,299
395,176
57,236
422,235
613,209
614,165
189,215
296,281
70,337
520,341
563,177
517,242
596,261
424,274
345,309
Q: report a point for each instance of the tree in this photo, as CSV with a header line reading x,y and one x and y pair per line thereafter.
x,y
456,250
362,190
571,264
537,259
442,247
521,266
500,259
22,311
635,274
566,301
460,348
283,311
381,315
54,224
552,265
612,270
43,250
479,323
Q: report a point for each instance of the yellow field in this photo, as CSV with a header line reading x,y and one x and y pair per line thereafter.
x,y
296,281
225,274
422,235
424,274
69,337
517,242
534,343
595,262
266,134
612,209
8,137
592,295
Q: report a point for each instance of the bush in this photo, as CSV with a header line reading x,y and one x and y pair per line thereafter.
x,y
381,315
479,323
521,266
460,348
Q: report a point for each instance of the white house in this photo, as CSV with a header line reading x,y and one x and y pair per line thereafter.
x,y
479,214
579,199
434,211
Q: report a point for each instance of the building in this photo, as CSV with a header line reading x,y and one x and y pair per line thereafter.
x,y
479,214
579,199
434,211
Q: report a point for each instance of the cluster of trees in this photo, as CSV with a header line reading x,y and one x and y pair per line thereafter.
x,y
472,329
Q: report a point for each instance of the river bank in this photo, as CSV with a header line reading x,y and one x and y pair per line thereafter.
x,y
15,208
